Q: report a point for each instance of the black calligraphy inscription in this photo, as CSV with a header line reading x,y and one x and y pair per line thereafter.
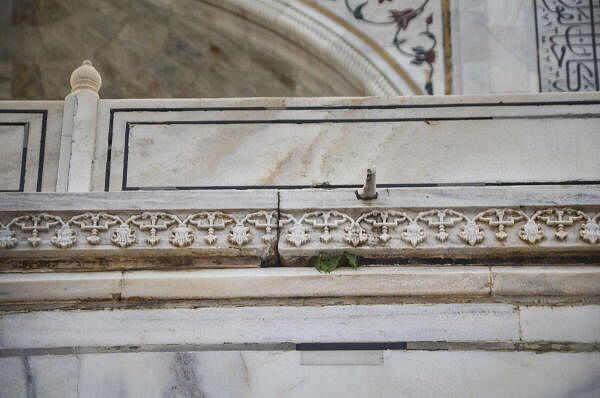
x,y
568,34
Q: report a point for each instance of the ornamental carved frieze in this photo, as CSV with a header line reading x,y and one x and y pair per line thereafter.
x,y
380,228
501,227
206,229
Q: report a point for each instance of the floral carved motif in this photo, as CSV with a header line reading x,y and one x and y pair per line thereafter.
x,y
590,230
383,226
297,234
101,228
441,227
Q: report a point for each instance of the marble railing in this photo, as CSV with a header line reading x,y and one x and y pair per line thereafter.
x,y
87,144
181,184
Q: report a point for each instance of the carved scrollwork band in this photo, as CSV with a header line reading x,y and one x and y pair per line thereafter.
x,y
379,226
123,231
374,227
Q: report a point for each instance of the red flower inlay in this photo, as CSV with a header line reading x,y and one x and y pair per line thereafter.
x,y
403,17
429,56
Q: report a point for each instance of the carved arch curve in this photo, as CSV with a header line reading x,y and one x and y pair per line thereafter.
x,y
303,23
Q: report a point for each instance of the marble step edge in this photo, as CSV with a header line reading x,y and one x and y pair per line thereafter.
x,y
537,347
463,281
456,322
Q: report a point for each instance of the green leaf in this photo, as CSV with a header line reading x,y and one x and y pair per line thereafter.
x,y
336,261
351,259
326,264
314,261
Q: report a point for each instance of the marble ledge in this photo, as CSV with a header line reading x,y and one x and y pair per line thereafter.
x,y
105,231
456,281
261,324
281,102
457,322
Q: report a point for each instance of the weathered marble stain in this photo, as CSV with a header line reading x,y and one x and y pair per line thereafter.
x,y
187,381
29,381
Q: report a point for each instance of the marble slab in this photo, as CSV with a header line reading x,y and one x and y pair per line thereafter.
x,y
326,142
41,123
13,140
262,324
493,46
568,323
457,282
283,374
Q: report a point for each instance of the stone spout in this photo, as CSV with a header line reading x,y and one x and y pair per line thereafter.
x,y
369,190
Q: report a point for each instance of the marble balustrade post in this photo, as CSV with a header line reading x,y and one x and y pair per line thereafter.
x,y
79,130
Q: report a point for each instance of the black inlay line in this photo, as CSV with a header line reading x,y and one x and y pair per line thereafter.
x,y
594,44
113,111
329,186
380,120
109,152
393,345
40,173
22,110
125,157
24,157
531,346
311,121
350,107
537,45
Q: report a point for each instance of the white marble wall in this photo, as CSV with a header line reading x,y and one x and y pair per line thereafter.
x,y
289,374
493,47
13,139
41,123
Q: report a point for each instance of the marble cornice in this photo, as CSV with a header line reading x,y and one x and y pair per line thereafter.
x,y
259,227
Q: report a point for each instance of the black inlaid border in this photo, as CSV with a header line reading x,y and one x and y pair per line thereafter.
x,y
537,45
375,346
314,121
40,173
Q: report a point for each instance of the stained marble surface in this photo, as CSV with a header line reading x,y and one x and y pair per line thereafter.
x,y
284,374
308,142
154,48
339,154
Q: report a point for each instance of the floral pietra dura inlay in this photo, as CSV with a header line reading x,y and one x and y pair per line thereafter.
x,y
417,44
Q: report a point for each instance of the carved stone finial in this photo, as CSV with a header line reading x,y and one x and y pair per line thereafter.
x,y
369,190
85,77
